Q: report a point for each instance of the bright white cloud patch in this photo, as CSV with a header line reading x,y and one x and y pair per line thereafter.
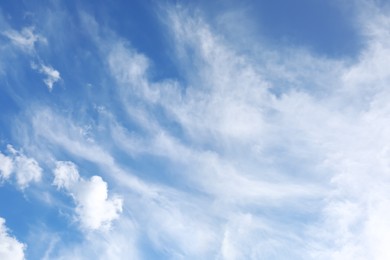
x,y
26,169
95,210
10,247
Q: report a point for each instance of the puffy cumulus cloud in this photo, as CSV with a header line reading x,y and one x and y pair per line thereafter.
x,y
25,39
94,209
10,247
52,75
26,169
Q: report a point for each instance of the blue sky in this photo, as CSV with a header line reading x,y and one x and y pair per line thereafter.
x,y
194,129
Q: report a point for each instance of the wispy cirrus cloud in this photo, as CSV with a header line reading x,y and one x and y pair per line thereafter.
x,y
301,124
25,39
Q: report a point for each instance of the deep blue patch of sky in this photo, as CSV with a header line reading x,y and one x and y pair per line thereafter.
x,y
320,25
324,27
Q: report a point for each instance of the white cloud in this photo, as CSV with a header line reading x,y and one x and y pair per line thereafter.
x,y
223,117
52,75
6,166
130,69
249,237
25,39
69,135
95,210
339,139
10,247
26,169
66,175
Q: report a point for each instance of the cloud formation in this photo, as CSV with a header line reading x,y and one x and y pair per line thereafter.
x,y
26,169
10,247
6,166
25,39
52,75
275,154
94,209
